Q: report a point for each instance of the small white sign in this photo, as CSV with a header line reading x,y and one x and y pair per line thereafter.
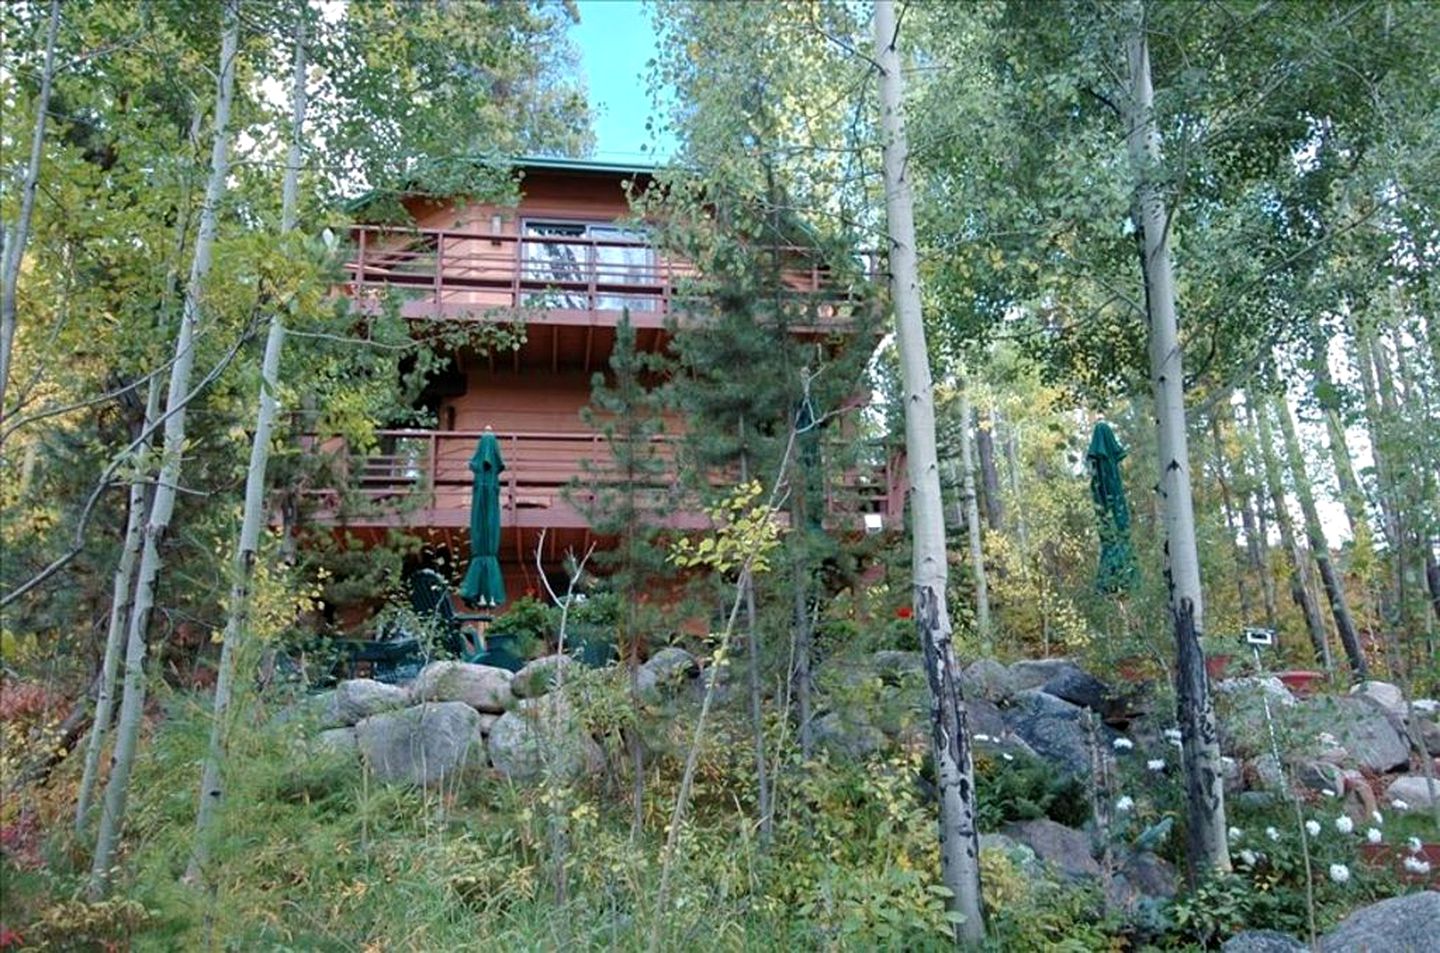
x,y
1258,636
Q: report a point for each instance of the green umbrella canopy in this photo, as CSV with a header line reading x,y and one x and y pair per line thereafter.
x,y
483,582
1117,570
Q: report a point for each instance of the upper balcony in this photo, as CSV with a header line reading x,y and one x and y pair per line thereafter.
x,y
564,273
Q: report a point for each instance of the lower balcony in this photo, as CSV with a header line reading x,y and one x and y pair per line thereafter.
x,y
419,481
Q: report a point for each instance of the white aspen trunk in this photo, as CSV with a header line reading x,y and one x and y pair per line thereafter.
x,y
954,771
1319,545
120,602
132,709
989,474
972,523
1300,589
1247,608
13,252
237,625
1200,749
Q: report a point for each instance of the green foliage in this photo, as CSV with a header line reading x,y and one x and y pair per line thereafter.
x,y
1023,788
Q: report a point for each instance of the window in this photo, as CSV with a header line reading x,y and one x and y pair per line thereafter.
x,y
569,256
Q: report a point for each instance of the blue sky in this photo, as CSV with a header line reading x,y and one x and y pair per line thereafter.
x,y
616,40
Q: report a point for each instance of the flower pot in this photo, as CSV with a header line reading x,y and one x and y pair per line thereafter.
x,y
1216,665
1301,682
501,651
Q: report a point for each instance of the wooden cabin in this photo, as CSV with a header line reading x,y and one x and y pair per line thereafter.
x,y
568,261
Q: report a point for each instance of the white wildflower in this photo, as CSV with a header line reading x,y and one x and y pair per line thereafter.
x,y
1123,744
1399,805
1007,756
1172,734
1427,705
1414,845
1272,833
1327,792
1417,866
1327,739
1373,835
1312,828
1378,818
1156,764
979,737
1339,873
1235,833
1248,858
1125,804
1344,825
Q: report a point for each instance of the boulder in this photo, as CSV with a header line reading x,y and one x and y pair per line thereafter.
x,y
487,722
1357,725
1051,726
989,680
1078,687
1018,854
985,720
1064,848
482,687
1321,776
1240,713
894,666
1150,874
1263,941
1383,695
541,733
1413,789
1408,924
358,698
336,741
847,736
1429,731
539,676
421,745
665,674
1267,774
1033,673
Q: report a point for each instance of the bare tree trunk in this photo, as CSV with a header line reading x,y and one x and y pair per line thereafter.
x,y
132,709
1247,608
1300,574
954,771
1257,547
1319,546
752,657
121,600
1207,849
989,476
13,252
972,523
237,625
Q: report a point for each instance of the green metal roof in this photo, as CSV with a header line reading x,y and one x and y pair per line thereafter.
x,y
585,165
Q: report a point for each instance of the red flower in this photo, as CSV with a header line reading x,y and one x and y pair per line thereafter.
x,y
9,937
904,612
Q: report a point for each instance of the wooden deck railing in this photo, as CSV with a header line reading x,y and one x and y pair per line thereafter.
x,y
540,466
447,272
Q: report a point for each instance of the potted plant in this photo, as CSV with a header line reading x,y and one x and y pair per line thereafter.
x,y
1219,653
512,638
590,628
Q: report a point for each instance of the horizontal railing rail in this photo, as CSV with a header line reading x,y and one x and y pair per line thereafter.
x,y
464,269
541,466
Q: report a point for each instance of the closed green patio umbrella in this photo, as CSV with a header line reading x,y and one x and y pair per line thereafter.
x,y
483,583
1117,571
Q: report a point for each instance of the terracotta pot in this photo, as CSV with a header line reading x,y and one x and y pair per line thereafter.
x,y
1215,665
1301,682
1392,857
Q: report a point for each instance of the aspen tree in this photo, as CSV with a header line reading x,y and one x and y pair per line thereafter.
x,y
1200,746
237,623
132,709
954,771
